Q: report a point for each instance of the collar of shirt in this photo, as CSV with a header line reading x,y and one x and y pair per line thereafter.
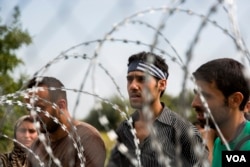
x,y
165,117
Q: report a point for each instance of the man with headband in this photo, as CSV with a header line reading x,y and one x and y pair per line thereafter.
x,y
154,135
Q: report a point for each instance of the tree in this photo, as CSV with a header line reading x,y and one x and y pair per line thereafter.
x,y
12,37
181,104
113,115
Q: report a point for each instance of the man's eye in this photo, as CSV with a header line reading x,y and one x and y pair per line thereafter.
x,y
141,78
130,79
22,130
206,96
32,131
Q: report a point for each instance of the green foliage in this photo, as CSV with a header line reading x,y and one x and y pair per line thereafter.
x,y
113,115
181,104
12,37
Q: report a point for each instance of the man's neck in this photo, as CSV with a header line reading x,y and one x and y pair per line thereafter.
x,y
152,112
231,131
60,132
57,135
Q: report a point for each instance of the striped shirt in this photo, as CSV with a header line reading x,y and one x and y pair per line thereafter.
x,y
172,132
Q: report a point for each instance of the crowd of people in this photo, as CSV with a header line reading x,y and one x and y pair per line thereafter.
x,y
153,136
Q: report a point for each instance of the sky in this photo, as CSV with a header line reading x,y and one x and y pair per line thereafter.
x,y
62,27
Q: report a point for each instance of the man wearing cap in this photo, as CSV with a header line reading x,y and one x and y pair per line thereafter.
x,y
154,135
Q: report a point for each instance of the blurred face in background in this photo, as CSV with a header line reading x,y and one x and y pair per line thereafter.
x,y
26,133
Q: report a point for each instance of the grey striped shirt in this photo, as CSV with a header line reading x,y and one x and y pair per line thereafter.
x,y
173,134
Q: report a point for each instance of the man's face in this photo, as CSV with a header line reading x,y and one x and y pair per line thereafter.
x,y
46,122
216,103
142,89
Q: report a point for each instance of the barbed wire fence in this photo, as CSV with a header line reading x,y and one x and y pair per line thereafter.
x,y
101,58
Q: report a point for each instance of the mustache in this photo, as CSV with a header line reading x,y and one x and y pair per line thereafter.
x,y
200,109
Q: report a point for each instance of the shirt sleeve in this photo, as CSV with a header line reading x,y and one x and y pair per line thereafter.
x,y
115,158
94,147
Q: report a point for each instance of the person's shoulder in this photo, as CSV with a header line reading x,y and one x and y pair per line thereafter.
x,y
125,125
175,118
248,123
89,134
4,159
247,128
86,128
178,123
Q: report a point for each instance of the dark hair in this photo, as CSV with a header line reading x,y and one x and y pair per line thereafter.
x,y
158,61
49,82
228,76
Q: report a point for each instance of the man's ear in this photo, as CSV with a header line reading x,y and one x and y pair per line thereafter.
x,y
162,84
235,99
62,104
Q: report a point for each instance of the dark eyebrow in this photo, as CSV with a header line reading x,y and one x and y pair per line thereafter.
x,y
140,78
25,129
205,94
129,77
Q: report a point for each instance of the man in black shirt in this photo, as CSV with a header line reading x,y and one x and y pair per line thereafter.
x,y
154,135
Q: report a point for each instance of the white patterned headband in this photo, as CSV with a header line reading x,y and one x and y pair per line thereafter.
x,y
146,67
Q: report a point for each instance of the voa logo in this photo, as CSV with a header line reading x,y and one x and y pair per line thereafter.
x,y
236,158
